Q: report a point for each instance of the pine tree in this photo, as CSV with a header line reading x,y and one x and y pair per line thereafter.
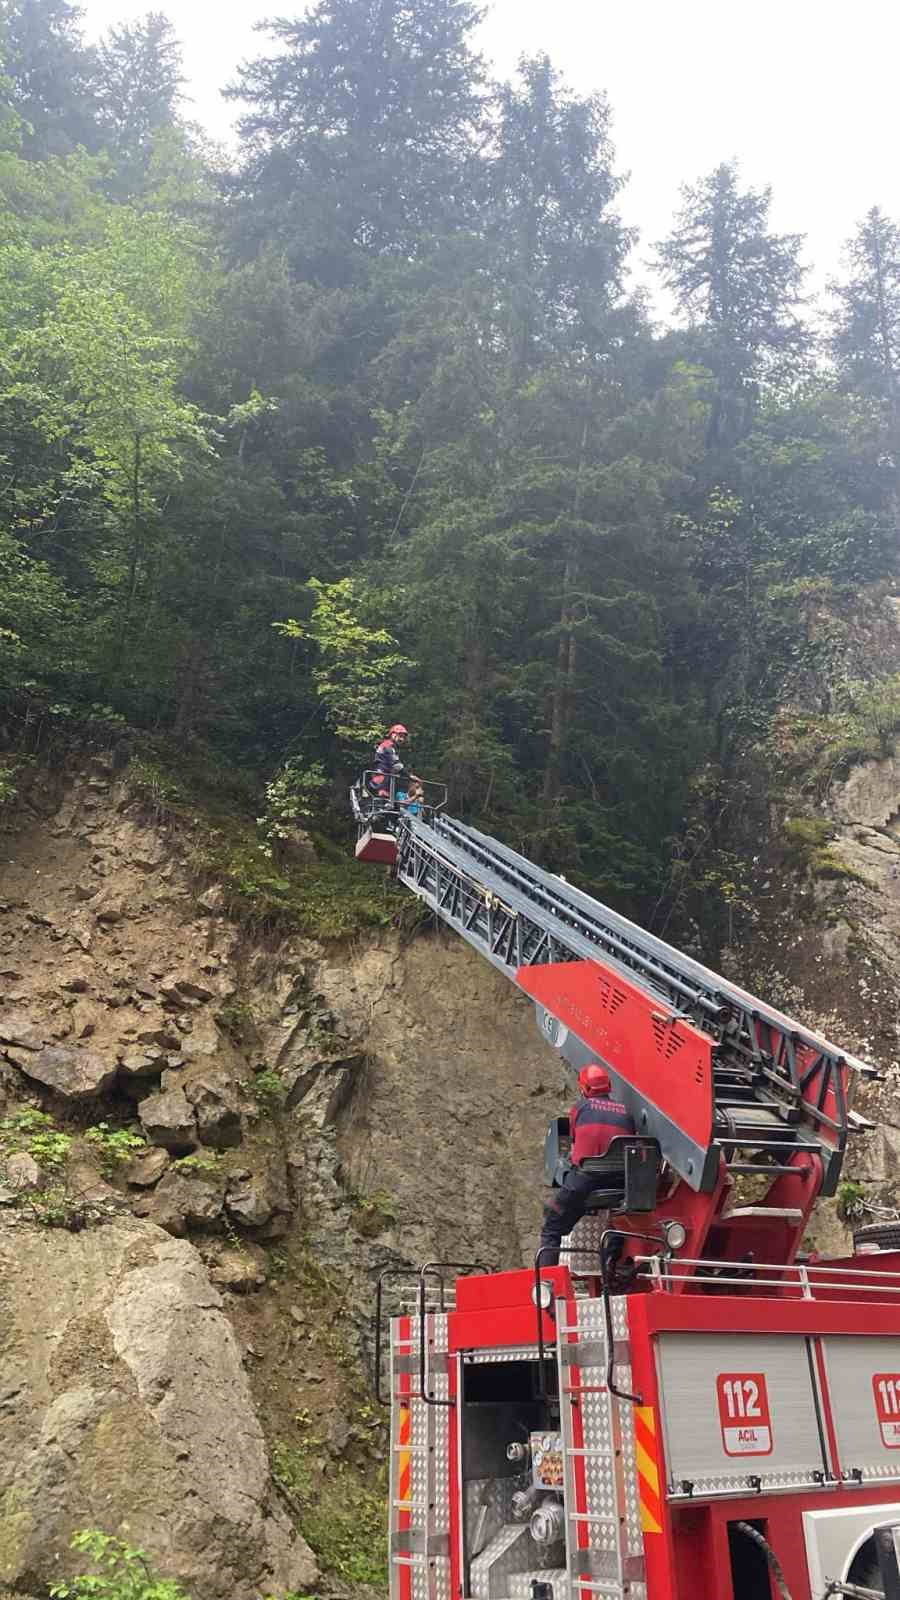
x,y
866,325
739,284
360,127
49,73
138,90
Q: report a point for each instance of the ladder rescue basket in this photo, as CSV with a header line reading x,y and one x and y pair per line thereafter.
x,y
377,847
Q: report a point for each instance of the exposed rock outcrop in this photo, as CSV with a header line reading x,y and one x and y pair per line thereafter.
x,y
125,1403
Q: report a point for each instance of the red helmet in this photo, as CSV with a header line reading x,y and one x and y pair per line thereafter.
x,y
398,730
594,1080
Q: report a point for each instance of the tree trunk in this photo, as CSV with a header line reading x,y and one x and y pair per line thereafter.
x,y
563,691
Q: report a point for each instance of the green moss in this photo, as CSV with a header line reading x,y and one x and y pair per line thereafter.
x,y
373,1213
806,834
341,1517
825,864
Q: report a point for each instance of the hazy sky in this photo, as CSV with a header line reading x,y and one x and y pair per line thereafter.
x,y
802,92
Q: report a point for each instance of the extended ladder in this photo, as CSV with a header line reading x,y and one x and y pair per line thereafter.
x,y
775,1087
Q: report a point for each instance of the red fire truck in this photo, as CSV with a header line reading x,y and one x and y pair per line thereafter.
x,y
690,1408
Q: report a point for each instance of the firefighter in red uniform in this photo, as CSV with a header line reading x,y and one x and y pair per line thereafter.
x,y
388,766
594,1121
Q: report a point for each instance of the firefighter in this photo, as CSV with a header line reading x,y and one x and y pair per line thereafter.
x,y
594,1121
387,765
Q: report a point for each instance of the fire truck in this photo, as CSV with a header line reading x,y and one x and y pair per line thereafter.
x,y
691,1407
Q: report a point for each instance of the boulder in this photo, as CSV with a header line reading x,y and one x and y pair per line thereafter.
x,y
76,983
23,1172
242,1271
163,1035
126,1405
175,990
141,1063
147,1168
75,1074
247,1202
15,1028
198,1197
217,1109
168,1120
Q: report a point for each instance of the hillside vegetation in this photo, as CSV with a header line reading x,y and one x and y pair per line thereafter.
x,y
367,420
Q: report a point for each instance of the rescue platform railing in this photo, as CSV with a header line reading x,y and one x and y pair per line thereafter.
x,y
396,797
797,1280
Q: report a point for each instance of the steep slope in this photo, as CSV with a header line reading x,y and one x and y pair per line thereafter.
x,y
297,1116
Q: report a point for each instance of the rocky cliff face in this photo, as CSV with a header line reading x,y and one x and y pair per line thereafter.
x,y
209,1146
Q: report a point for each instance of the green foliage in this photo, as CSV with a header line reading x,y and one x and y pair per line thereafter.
x,y
358,668
386,434
373,1213
851,1201
8,782
807,842
115,1145
341,1517
269,1089
292,796
238,1018
35,1133
123,1572
203,1164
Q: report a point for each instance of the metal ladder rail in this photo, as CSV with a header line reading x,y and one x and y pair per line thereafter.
x,y
632,944
506,917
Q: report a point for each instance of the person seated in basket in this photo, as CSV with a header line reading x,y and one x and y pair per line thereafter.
x,y
594,1121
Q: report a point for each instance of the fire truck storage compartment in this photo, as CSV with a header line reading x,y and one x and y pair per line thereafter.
x,y
864,1388
501,1406
739,1410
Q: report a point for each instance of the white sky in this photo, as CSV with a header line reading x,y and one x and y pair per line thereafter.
x,y
803,92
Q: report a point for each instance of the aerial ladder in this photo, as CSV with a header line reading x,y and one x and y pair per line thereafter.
x,y
706,1413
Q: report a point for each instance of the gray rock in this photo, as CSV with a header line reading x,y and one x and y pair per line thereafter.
x,y
139,1064
216,1106
195,991
247,1203
196,1199
212,901
147,1168
23,1172
168,1120
124,1390
163,1035
75,1074
86,888
242,1271
15,1028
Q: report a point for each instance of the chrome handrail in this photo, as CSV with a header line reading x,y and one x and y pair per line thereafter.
x,y
805,1276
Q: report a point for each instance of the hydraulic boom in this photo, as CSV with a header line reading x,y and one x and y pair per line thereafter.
x,y
725,1084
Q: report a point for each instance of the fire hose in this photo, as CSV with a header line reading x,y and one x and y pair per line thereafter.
x,y
769,1553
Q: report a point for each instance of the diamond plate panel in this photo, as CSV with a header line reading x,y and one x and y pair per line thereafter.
x,y
586,1235
511,1550
509,1352
557,1577
428,1455
597,1511
494,1497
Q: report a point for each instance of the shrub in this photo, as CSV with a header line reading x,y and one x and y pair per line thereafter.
x,y
124,1572
116,1145
35,1133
